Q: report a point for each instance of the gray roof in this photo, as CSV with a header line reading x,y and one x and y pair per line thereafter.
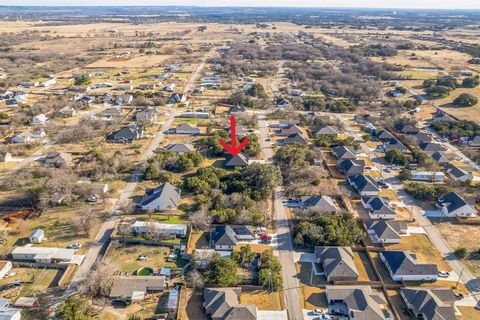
x,y
295,138
125,286
386,229
455,171
224,303
224,236
179,147
327,130
441,157
379,205
344,152
237,109
431,146
325,202
239,160
290,130
433,304
360,302
128,133
452,201
394,144
165,192
363,183
384,135
402,263
351,166
337,261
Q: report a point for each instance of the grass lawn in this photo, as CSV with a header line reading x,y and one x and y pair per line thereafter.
x,y
364,268
124,258
257,248
263,300
421,245
313,298
469,313
389,194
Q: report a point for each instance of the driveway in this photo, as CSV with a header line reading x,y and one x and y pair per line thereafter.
x,y
272,315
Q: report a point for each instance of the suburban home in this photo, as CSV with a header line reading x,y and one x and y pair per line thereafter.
x,y
432,176
237,110
378,208
163,198
7,312
186,128
223,238
364,185
179,148
385,231
407,129
195,114
442,116
5,267
112,112
337,263
289,129
27,303
107,98
282,103
473,141
357,302
46,255
147,86
5,156
124,87
134,288
431,147
457,173
224,304
170,87
86,100
36,236
420,138
243,233
126,134
393,144
240,130
453,205
351,167
203,257
297,93
344,152
429,304
237,161
67,112
294,138
403,266
140,227
321,204
441,157
327,130
147,114
177,98
24,137
39,119
384,136
58,159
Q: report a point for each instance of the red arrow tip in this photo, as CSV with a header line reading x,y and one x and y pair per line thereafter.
x,y
233,149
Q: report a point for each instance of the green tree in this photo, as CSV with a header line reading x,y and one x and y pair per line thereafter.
x,y
397,157
292,156
405,174
470,82
257,90
83,80
461,252
438,91
222,272
465,100
74,308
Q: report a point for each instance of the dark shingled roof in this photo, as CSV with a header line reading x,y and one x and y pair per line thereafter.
x,y
432,304
402,263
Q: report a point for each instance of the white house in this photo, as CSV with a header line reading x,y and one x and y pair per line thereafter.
x,y
39,119
163,198
403,266
5,267
44,255
140,227
436,176
36,236
7,312
453,205
186,128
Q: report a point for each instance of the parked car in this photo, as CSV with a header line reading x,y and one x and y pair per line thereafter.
x,y
459,296
142,258
75,246
444,274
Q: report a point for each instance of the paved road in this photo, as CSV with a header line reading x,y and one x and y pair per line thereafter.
x,y
284,246
277,78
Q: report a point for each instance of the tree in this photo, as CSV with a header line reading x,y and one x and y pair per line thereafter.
x,y
85,220
270,271
438,91
99,280
244,255
465,100
405,174
200,220
397,157
292,156
470,82
74,308
257,90
425,191
461,252
83,80
222,272
195,279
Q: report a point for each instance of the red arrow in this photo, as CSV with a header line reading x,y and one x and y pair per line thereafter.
x,y
233,149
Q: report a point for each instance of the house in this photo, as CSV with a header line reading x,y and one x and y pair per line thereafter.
x,y
407,129
36,236
140,227
45,255
107,98
385,231
223,238
297,93
441,157
7,312
113,112
364,185
395,94
186,128
179,148
327,130
337,263
196,114
357,302
457,173
58,159
294,138
282,103
431,147
237,110
130,289
453,205
5,156
126,134
203,257
39,119
321,204
237,161
172,302
384,136
177,98
442,116
147,86
147,114
434,176
123,99
86,100
289,129
473,141
240,130
429,304
378,208
420,138
163,198
344,152
5,267
27,303
224,304
351,167
124,87
170,87
24,137
67,112
393,144
403,266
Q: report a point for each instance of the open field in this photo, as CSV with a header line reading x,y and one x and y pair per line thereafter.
x,y
125,258
264,300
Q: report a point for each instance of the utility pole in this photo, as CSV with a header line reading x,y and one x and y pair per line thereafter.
x,y
458,280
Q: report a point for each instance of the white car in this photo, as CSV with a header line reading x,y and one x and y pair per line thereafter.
x,y
75,246
443,274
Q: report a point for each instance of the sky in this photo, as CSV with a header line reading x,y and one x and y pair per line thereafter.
x,y
424,4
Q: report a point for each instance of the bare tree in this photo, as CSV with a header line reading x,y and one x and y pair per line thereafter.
x,y
85,221
195,279
99,281
200,219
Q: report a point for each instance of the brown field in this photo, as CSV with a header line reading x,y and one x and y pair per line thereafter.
x,y
264,300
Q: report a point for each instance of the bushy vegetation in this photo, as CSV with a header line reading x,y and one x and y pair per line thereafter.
x,y
169,161
465,100
457,129
426,191
375,50
211,147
